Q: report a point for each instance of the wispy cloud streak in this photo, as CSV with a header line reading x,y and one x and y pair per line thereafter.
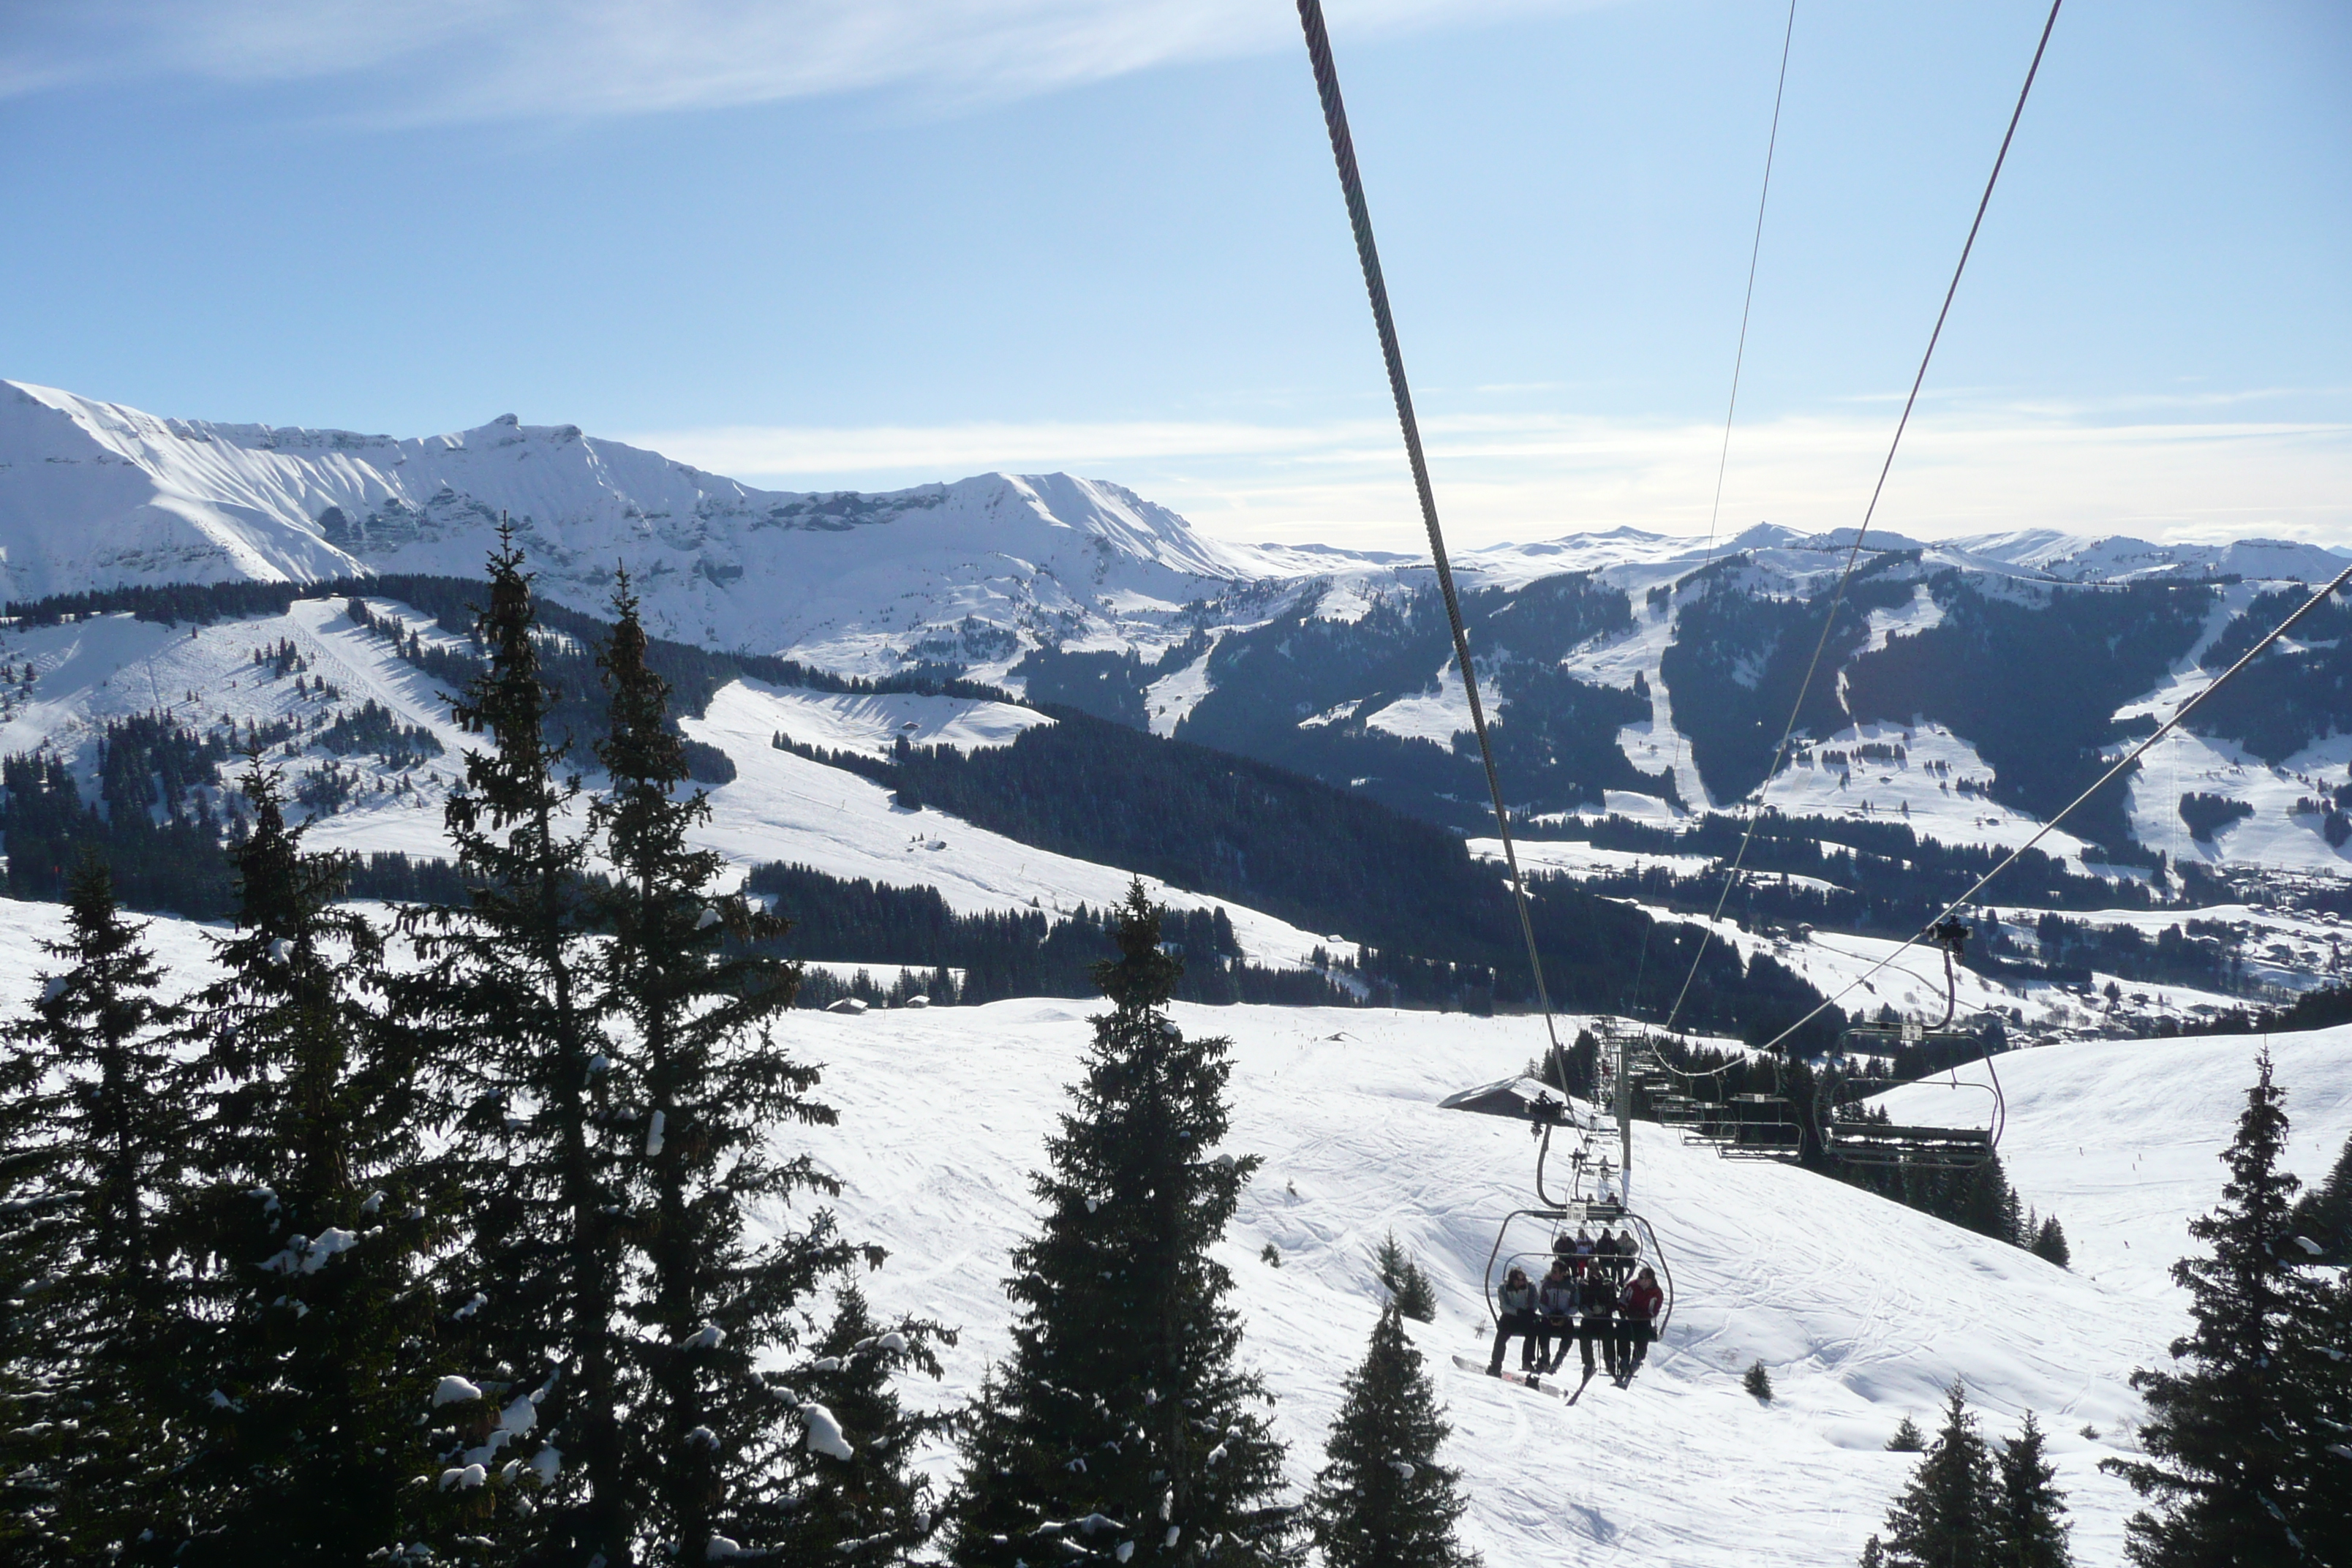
x,y
429,60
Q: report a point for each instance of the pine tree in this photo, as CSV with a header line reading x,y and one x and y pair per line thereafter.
x,y
1758,1381
2049,1243
1120,1421
505,1001
308,1351
870,1495
1404,1282
683,970
1945,1516
2028,1522
2222,1432
2317,1357
90,1138
1383,1500
1907,1438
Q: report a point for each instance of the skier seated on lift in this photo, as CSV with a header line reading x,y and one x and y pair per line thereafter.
x,y
1515,1306
1637,1318
1621,1251
1578,1250
1556,1301
1596,1321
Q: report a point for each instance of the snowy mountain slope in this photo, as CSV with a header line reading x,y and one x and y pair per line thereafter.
x,y
1862,1310
1002,575
92,494
780,806
2131,1133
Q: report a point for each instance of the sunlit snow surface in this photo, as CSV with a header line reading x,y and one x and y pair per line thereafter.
x,y
1862,1310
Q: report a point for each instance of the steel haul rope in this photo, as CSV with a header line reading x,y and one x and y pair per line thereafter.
x,y
1343,151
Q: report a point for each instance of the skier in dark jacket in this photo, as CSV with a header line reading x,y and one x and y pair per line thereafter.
x,y
1515,1306
1637,1318
1597,1321
1627,1252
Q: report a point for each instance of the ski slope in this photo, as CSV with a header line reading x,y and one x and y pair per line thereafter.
x,y
781,806
1862,1310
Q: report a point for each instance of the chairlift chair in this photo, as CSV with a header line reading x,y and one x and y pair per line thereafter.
x,y
1594,1195
1923,1146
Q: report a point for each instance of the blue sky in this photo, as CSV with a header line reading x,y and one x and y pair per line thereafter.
x,y
834,243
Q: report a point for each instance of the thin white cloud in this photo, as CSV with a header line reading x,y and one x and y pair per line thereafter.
x,y
1529,477
423,60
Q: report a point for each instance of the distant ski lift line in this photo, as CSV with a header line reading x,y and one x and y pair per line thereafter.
x,y
2050,826
1854,555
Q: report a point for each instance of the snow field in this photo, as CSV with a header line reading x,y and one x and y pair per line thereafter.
x,y
2131,1134
1862,1310
873,725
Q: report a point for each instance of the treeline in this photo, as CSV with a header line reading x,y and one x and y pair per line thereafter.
x,y
1014,952
2324,1008
156,820
1886,875
1438,926
345,1259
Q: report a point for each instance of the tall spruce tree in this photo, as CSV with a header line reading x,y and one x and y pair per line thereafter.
x,y
1383,1500
309,1351
1945,1516
2030,1523
2228,1432
506,996
90,1140
684,971
1120,1428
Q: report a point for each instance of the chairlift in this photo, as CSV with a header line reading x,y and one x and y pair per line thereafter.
x,y
1597,1188
1961,1146
1746,1126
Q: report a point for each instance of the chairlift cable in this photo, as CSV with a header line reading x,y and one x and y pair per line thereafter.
x,y
1854,555
1738,361
1343,152
2048,827
1740,355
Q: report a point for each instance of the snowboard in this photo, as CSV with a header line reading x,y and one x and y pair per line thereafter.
x,y
1553,1384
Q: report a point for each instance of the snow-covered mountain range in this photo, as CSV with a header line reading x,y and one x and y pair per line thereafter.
x,y
94,494
1627,670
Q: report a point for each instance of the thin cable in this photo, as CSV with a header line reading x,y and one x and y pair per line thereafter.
x,y
1854,555
2101,783
1343,152
1739,355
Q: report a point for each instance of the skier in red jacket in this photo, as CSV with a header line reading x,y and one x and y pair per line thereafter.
x,y
1637,1318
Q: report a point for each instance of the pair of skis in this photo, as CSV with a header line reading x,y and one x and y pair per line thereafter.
x,y
1537,1382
